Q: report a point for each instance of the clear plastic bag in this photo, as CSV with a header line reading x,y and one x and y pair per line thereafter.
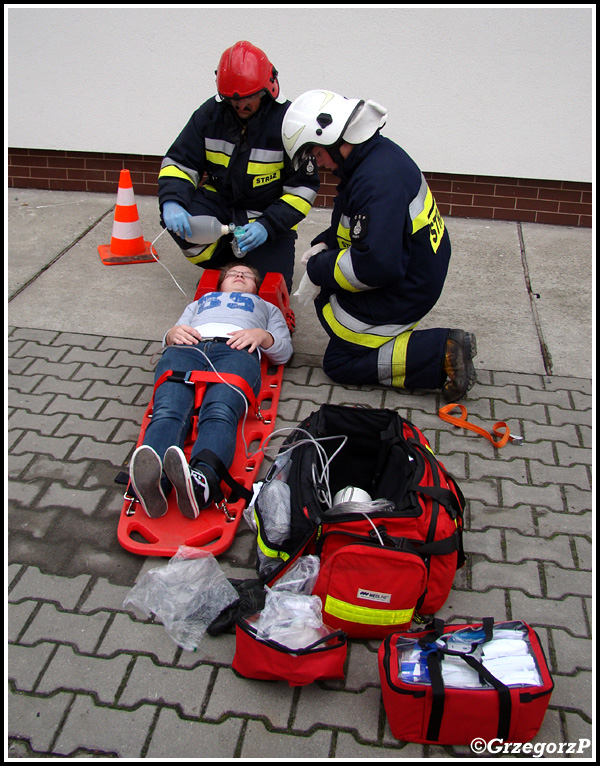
x,y
301,577
291,619
291,616
275,500
186,595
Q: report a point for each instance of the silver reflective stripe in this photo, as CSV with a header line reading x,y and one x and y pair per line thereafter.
x,y
193,174
345,265
266,155
301,191
345,222
417,205
384,364
355,325
217,145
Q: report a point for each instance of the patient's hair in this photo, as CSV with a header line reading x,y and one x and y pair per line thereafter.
x,y
233,265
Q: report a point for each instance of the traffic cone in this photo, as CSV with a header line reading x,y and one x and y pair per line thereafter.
x,y
127,244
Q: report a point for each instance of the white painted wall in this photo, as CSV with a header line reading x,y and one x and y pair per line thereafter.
x,y
502,91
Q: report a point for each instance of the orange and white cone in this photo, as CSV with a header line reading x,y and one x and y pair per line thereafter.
x,y
127,244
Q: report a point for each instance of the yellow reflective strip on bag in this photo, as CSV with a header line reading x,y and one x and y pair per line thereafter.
x,y
359,338
218,158
271,553
171,171
365,615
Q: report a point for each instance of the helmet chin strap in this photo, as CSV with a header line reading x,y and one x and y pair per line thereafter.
x,y
335,153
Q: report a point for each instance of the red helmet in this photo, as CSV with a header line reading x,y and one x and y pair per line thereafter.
x,y
245,70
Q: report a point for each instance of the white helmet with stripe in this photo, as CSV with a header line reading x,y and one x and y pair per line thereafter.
x,y
324,118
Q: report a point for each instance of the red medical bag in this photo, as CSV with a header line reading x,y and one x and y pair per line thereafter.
x,y
422,707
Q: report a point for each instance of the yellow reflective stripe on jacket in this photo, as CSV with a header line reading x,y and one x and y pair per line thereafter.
x,y
264,168
204,255
299,204
343,232
344,274
361,339
365,615
424,212
338,272
172,171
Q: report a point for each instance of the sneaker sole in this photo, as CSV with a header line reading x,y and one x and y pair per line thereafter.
x,y
179,476
145,473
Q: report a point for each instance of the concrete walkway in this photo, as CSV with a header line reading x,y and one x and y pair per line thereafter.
x,y
87,678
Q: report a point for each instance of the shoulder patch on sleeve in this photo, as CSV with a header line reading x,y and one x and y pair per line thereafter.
x,y
359,226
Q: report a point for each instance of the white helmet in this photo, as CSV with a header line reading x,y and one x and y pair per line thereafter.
x,y
324,118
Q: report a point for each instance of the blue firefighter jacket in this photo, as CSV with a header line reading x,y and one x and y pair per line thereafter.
x,y
388,248
240,164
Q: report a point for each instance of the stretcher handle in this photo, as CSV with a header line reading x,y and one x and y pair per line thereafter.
x,y
504,436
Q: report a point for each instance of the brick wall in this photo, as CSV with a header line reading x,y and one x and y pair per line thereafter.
x,y
566,203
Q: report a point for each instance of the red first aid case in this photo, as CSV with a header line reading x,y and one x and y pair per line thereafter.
x,y
267,660
451,684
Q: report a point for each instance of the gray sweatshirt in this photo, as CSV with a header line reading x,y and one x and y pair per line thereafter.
x,y
243,311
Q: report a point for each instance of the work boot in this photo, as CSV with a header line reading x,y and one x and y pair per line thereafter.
x,y
191,486
461,347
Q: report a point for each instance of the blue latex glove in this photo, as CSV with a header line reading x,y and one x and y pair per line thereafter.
x,y
176,219
254,235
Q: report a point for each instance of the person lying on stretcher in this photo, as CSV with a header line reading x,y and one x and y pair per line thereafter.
x,y
224,331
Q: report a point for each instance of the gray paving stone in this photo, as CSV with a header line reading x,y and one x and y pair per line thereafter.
x,y
524,575
87,724
127,635
17,617
64,591
81,631
176,738
349,710
262,744
238,696
71,671
562,582
36,719
25,664
149,682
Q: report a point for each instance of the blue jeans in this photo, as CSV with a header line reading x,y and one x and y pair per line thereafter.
x,y
221,407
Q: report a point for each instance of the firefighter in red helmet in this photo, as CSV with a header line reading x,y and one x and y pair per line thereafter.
x,y
229,162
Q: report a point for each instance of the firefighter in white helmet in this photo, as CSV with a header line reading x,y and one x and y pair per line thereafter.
x,y
382,263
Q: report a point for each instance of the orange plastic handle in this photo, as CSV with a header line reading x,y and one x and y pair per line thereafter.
x,y
461,422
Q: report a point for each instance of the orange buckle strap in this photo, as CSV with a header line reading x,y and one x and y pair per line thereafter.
x,y
461,422
197,376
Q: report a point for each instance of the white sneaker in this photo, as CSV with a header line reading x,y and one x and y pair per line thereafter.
x,y
145,471
191,486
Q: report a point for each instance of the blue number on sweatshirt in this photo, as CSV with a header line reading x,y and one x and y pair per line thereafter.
x,y
241,301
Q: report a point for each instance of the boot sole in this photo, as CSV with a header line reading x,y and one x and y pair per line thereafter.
x,y
179,476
